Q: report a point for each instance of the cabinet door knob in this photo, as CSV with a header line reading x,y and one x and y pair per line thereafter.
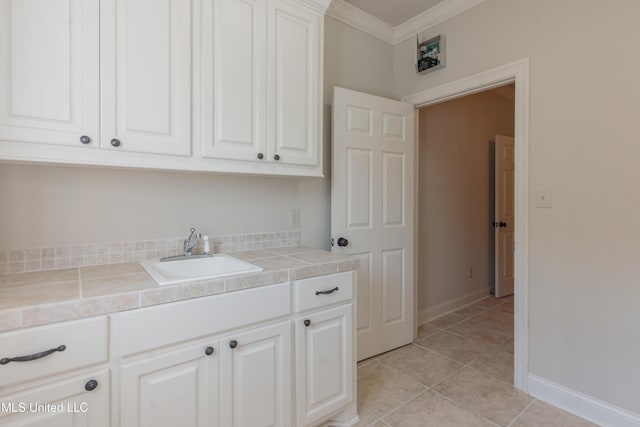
x,y
115,142
260,156
91,385
276,157
209,351
85,139
307,322
233,343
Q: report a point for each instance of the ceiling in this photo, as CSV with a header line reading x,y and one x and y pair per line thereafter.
x,y
394,12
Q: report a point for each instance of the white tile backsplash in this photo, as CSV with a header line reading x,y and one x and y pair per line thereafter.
x,y
48,258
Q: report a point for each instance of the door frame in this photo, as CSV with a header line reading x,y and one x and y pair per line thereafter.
x,y
518,73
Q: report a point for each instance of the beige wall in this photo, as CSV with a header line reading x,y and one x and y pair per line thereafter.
x,y
584,251
58,205
456,195
353,60
43,205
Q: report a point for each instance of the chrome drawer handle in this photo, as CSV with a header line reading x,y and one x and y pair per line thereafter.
x,y
32,356
330,291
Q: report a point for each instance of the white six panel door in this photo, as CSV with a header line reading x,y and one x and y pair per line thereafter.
x,y
146,76
505,217
49,71
372,207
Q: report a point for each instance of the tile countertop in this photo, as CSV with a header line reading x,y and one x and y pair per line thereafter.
x,y
37,298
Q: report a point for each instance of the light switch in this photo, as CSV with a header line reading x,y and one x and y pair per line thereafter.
x,y
294,218
543,198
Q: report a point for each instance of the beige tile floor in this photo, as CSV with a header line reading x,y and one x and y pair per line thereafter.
x,y
459,372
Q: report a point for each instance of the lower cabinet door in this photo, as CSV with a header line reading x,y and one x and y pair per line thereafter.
x,y
255,377
324,363
79,401
175,389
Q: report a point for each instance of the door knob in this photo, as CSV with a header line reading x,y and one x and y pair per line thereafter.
x,y
503,224
342,242
495,224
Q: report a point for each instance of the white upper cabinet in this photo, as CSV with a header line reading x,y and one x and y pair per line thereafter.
x,y
295,97
199,85
262,82
146,76
235,87
49,71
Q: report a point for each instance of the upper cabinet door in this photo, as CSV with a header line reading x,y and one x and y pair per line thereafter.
x,y
146,75
295,70
234,79
49,71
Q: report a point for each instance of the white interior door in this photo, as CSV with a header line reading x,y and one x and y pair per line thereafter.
x,y
372,213
504,222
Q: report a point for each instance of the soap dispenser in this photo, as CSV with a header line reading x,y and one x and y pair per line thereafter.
x,y
206,249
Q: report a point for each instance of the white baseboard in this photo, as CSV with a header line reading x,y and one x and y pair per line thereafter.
x,y
580,404
432,313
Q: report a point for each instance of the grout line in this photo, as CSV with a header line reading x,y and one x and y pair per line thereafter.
x,y
439,354
521,412
403,404
464,408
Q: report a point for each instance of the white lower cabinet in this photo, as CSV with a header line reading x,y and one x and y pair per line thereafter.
x,y
177,388
255,377
324,359
78,401
228,360
56,375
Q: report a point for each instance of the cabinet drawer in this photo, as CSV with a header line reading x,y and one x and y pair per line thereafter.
x,y
85,343
321,291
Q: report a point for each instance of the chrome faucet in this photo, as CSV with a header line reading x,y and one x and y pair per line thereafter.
x,y
191,242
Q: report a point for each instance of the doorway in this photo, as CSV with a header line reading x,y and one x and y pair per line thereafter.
x,y
456,214
517,73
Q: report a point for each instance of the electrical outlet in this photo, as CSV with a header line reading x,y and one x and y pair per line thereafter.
x,y
294,218
470,273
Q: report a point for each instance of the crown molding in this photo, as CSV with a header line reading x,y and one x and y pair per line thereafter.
x,y
431,17
361,20
319,5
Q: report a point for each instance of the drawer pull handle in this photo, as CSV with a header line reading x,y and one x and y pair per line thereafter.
x,y
91,385
32,356
330,291
307,322
233,343
209,351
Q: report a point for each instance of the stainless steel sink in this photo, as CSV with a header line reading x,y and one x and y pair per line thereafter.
x,y
201,268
